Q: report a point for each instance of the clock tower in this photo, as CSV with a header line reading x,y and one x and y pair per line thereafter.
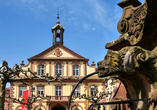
x,y
58,31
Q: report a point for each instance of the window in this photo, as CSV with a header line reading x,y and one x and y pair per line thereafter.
x,y
106,83
21,91
40,69
75,70
76,92
59,69
92,89
41,91
58,90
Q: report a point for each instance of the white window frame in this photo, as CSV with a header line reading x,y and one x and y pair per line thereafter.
x,y
40,69
58,69
92,89
40,91
76,92
22,88
75,70
58,90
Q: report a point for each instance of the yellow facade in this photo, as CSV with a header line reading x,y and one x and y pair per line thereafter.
x,y
49,59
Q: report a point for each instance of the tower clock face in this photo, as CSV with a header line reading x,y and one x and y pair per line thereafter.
x,y
58,30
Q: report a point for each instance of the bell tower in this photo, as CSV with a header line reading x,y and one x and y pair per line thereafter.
x,y
58,31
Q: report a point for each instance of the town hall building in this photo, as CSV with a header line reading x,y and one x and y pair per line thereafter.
x,y
57,59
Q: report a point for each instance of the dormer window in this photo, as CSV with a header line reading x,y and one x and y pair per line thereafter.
x,y
40,69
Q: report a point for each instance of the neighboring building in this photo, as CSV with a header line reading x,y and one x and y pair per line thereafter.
x,y
6,104
54,60
110,86
116,92
120,94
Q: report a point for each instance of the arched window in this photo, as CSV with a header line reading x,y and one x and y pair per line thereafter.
x,y
58,39
59,69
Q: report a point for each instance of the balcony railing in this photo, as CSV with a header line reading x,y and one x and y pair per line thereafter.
x,y
59,98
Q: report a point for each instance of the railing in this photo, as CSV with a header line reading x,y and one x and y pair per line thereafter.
x,y
115,102
59,98
99,104
80,81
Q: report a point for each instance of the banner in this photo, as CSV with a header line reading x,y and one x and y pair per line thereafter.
x,y
25,96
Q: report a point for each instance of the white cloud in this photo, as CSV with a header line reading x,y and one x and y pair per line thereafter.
x,y
93,29
42,7
103,14
28,1
75,23
70,12
86,26
72,18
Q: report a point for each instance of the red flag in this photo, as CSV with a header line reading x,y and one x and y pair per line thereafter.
x,y
25,96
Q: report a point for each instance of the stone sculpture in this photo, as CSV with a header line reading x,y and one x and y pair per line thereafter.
x,y
132,58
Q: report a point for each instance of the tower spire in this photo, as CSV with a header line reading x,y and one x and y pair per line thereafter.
x,y
58,16
58,31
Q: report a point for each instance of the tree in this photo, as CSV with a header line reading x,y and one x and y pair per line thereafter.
x,y
95,98
8,75
30,100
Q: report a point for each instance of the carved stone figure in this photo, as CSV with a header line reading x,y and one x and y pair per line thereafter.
x,y
137,25
135,67
112,62
132,58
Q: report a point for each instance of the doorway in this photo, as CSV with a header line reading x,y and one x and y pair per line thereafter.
x,y
58,108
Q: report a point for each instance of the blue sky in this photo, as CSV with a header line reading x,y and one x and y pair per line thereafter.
x,y
26,27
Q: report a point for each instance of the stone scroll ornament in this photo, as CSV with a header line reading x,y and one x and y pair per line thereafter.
x,y
136,68
132,58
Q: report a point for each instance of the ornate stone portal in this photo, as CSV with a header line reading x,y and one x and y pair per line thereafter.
x,y
132,58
